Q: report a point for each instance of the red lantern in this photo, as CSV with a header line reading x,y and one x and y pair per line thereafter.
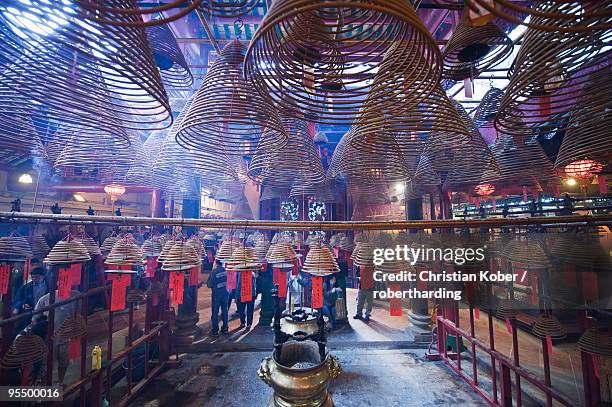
x,y
484,189
583,168
114,190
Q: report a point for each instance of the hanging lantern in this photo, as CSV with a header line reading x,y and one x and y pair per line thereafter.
x,y
583,168
484,189
114,190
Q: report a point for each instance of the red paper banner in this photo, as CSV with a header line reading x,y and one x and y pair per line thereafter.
x,y
27,267
74,348
64,283
177,286
275,273
26,374
209,256
193,276
118,290
231,280
395,304
126,267
75,274
5,273
509,326
476,313
549,345
317,292
596,370
367,277
151,266
246,286
282,283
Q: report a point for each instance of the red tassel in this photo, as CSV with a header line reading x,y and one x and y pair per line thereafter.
x,y
282,283
246,286
177,286
317,292
477,313
395,304
549,345
74,348
5,272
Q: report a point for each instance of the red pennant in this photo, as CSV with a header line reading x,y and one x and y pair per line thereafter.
x,y
317,292
74,348
231,280
246,286
26,374
509,326
596,370
282,283
367,277
177,287
75,273
193,276
549,345
395,304
476,313
151,266
5,272
118,290
27,267
64,283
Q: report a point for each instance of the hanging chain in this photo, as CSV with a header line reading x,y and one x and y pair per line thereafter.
x,y
238,26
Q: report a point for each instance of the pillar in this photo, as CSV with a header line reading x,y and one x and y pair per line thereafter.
x,y
420,320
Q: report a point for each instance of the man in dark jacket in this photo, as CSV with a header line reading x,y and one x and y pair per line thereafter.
x,y
29,294
330,296
217,282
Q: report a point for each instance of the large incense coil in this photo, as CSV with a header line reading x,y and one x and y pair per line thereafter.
x,y
368,167
169,58
221,8
198,245
67,251
281,253
471,50
108,243
548,326
595,342
165,249
26,349
151,247
425,175
315,239
227,114
363,255
18,130
75,67
310,48
393,267
256,237
135,296
320,192
544,82
15,247
488,107
227,248
39,246
527,252
295,163
320,262
561,15
125,252
588,134
181,257
506,309
73,327
243,259
521,160
261,249
127,13
92,247
582,251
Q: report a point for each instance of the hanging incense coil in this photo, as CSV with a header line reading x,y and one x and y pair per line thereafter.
x,y
135,296
471,50
151,247
556,15
333,240
320,262
298,240
344,243
165,249
88,73
319,192
548,326
527,252
26,349
281,252
92,247
108,243
73,327
180,257
587,134
313,54
18,130
197,245
315,239
581,250
220,8
127,13
595,342
506,309
363,254
488,107
243,259
39,246
261,248
169,58
425,175
66,252
125,252
226,249
394,267
227,114
544,84
15,247
295,163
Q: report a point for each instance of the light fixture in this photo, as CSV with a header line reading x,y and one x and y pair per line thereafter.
x,y
79,198
114,190
570,182
583,168
400,188
484,189
25,179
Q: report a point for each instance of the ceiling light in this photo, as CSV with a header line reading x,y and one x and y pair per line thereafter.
x,y
400,188
570,182
25,178
79,198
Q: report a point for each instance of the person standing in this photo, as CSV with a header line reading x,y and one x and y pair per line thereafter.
x,y
217,282
294,291
365,295
330,296
246,308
